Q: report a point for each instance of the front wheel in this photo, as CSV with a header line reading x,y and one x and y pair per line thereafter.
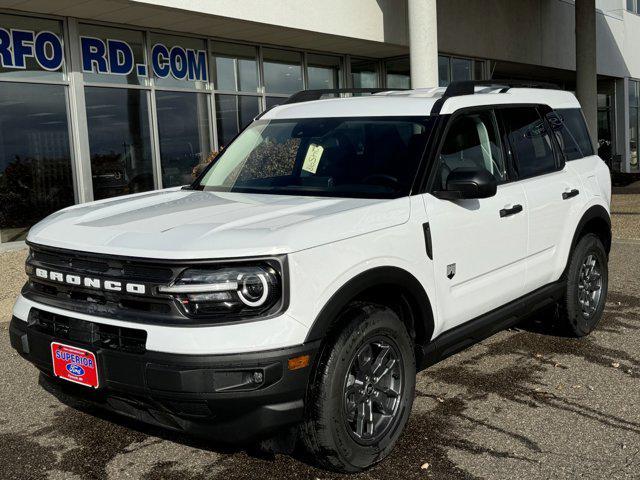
x,y
587,283
362,393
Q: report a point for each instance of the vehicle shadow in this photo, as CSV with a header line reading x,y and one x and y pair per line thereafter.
x,y
121,432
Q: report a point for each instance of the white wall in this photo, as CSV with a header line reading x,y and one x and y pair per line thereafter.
x,y
373,28
538,32
374,20
630,36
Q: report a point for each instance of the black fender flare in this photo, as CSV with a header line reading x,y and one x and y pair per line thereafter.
x,y
376,277
595,212
592,213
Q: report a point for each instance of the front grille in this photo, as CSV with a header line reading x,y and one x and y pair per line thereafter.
x,y
130,340
94,299
85,264
115,287
148,307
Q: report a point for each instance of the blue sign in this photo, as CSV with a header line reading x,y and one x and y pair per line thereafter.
x,y
109,57
115,57
16,46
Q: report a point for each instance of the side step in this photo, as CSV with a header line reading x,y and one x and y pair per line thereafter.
x,y
484,326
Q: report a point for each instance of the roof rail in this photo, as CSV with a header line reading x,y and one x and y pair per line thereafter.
x,y
468,87
310,95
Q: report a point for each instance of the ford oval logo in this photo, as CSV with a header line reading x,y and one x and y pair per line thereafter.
x,y
74,369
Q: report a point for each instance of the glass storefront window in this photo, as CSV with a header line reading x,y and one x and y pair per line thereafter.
x,y
461,69
605,144
119,141
323,71
35,164
233,113
178,61
606,125
183,129
443,71
454,69
398,73
633,93
633,124
113,55
633,138
275,101
234,67
633,6
478,70
282,71
34,48
364,73
603,100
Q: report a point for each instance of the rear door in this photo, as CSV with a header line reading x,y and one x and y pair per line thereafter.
x,y
479,245
551,188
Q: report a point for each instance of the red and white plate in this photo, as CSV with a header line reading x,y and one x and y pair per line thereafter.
x,y
74,364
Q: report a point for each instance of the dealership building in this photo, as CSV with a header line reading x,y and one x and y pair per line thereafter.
x,y
100,98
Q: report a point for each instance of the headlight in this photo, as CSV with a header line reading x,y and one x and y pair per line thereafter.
x,y
229,290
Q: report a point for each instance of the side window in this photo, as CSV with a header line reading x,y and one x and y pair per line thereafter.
x,y
472,141
530,141
571,131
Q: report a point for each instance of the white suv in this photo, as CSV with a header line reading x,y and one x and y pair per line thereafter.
x,y
337,246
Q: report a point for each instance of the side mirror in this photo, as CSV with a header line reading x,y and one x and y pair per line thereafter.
x,y
469,183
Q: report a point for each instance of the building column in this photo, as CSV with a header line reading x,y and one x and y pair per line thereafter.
x,y
622,124
586,63
423,43
78,116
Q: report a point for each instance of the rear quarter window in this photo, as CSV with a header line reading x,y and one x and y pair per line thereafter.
x,y
570,129
530,141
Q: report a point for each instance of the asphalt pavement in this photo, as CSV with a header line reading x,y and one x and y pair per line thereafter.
x,y
526,403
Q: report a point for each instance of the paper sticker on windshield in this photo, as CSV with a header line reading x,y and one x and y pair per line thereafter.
x,y
312,159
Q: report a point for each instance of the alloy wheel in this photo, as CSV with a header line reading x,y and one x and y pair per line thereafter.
x,y
372,390
590,285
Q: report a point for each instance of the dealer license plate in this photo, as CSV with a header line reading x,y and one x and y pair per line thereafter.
x,y
74,364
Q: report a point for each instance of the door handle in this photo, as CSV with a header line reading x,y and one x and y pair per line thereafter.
x,y
570,194
505,212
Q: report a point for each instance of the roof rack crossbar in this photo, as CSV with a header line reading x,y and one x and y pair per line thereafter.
x,y
468,87
310,95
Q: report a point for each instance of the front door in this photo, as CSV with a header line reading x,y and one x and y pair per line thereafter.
x,y
479,246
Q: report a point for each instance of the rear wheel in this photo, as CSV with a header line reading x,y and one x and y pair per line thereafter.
x,y
361,397
586,287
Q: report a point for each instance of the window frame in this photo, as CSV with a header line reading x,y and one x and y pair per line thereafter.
x,y
441,136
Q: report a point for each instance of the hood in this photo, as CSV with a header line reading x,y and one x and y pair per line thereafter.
x,y
187,224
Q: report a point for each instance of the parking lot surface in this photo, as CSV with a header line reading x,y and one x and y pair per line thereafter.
x,y
526,403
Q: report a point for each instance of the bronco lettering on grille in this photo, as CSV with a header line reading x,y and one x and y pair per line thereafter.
x,y
91,282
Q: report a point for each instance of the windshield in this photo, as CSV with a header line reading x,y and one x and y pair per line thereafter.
x,y
341,157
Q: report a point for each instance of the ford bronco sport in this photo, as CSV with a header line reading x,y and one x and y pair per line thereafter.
x,y
334,248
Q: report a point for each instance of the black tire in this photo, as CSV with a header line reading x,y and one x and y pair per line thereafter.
x,y
576,318
328,435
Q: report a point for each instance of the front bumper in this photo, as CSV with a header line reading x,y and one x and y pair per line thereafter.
x,y
206,395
